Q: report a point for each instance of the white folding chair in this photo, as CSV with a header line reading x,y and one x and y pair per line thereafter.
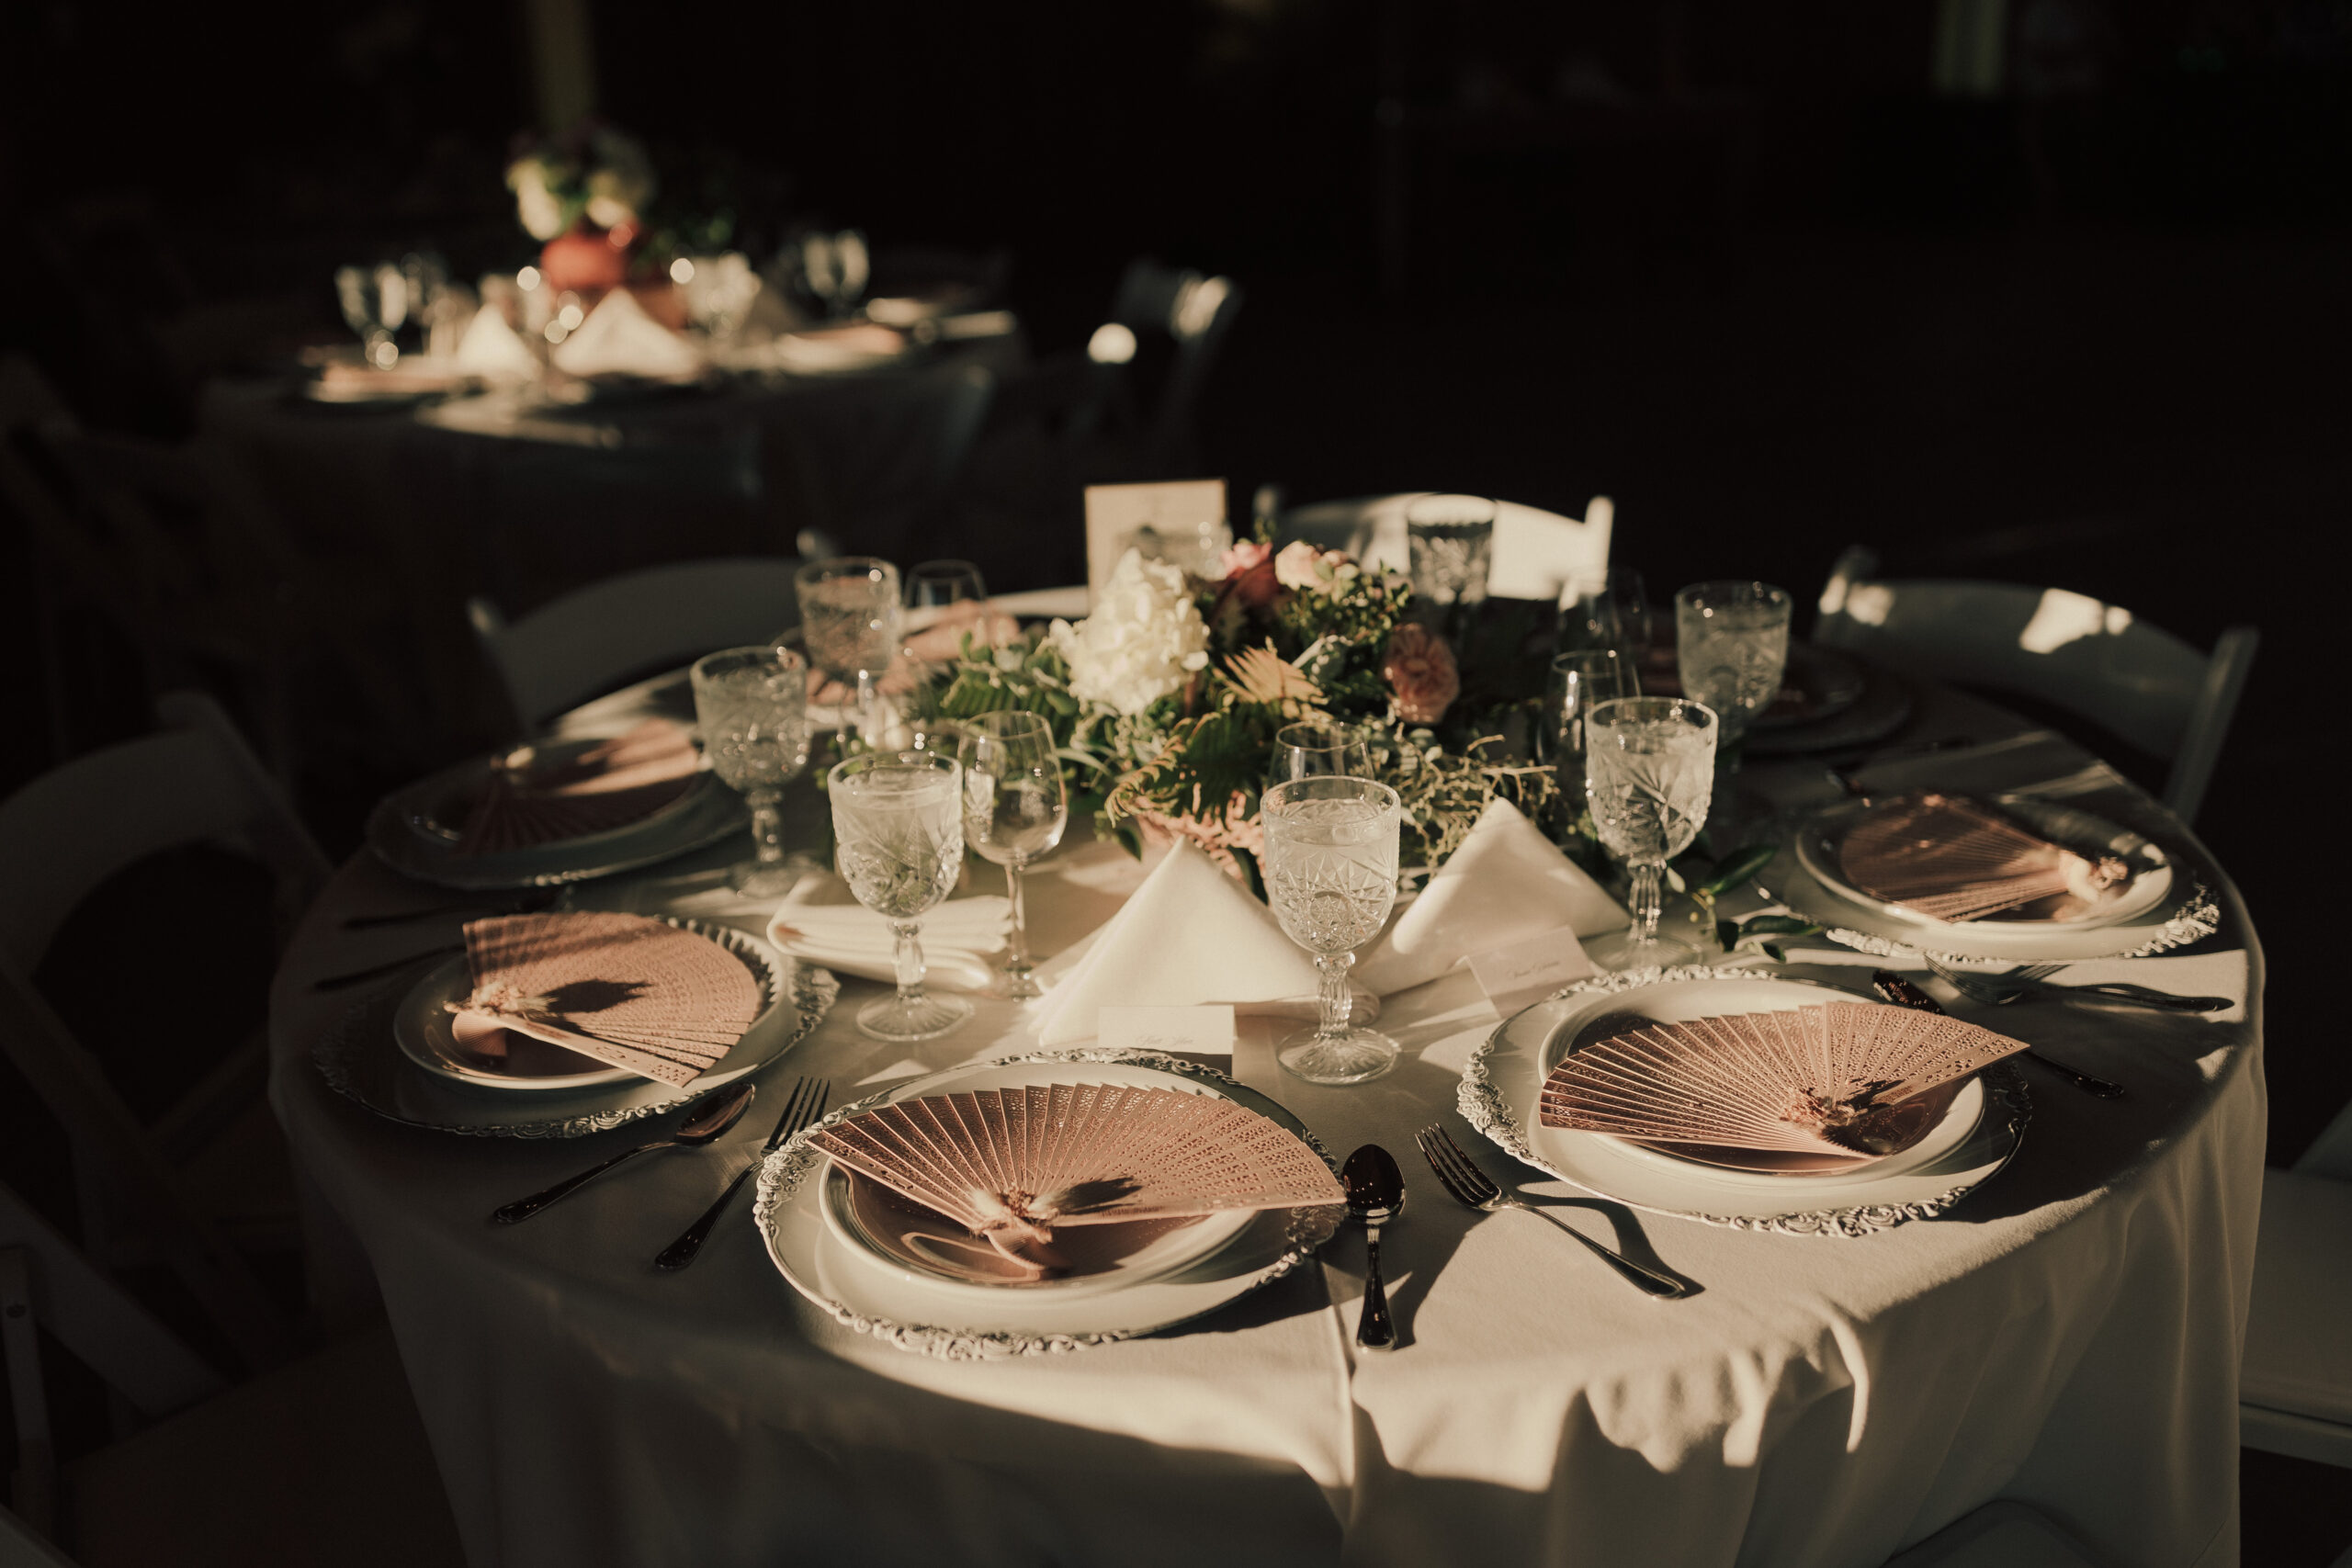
x,y
62,834
2134,679
1998,1535
1538,554
593,638
2295,1386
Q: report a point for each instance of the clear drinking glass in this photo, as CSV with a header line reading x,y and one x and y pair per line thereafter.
x,y
1649,774
849,624
1578,681
1331,879
942,584
1314,747
752,706
1015,811
1450,545
376,304
899,842
1732,639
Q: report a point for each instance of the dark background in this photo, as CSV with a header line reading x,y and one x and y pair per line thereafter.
x,y
1738,264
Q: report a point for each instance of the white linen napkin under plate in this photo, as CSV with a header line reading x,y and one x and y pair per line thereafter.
x,y
619,339
820,920
1190,935
1506,882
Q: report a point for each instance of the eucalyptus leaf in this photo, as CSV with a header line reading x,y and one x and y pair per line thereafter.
x,y
1777,925
1742,866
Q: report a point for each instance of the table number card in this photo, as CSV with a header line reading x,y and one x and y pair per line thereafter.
x,y
1176,521
1523,973
1193,1032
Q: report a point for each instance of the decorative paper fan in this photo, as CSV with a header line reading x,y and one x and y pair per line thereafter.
x,y
1820,1079
528,800
638,993
1011,1165
1950,858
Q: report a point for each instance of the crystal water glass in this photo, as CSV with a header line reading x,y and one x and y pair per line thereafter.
x,y
1732,640
849,624
1450,544
376,303
899,842
1330,873
1578,681
940,586
1015,811
1314,747
1649,774
752,707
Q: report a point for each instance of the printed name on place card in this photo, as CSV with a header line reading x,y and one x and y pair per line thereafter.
x,y
1523,973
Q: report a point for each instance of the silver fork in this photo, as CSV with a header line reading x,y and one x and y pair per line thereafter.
x,y
805,1105
2033,980
1475,1187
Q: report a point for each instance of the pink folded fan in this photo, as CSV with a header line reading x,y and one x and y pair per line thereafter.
x,y
633,992
1013,1165
529,800
1848,1079
1950,858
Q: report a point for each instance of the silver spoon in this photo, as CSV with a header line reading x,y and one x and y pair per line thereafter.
x,y
717,1113
1375,1193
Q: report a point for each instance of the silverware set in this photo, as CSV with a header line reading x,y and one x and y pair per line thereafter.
x,y
1903,993
805,1105
2031,982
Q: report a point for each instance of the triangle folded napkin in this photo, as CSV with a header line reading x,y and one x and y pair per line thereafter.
x,y
494,350
633,992
1506,883
1189,935
528,800
619,339
822,921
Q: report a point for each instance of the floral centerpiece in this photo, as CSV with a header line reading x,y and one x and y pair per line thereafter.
x,y
583,193
1166,700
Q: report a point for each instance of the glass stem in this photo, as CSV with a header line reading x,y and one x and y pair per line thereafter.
x,y
767,828
868,690
907,959
1649,901
1017,962
1336,1004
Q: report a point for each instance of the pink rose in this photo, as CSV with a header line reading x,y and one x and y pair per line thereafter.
x,y
1243,557
1419,670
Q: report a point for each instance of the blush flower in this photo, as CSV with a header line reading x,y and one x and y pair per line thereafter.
x,y
1419,670
1248,572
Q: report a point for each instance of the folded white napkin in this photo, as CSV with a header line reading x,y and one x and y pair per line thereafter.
x,y
619,339
1190,935
494,350
820,920
1506,882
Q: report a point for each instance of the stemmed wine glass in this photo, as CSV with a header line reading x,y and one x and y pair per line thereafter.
x,y
849,620
1450,544
752,706
1578,681
375,302
1732,639
1015,811
899,842
1331,879
1649,773
1313,748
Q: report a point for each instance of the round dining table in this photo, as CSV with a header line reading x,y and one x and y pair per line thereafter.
x,y
2067,1335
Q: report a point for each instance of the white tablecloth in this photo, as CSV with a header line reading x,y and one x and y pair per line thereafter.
x,y
2068,1337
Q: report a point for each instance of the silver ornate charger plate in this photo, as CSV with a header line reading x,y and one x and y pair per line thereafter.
x,y
798,1213
2162,906
412,833
1501,1094
361,1059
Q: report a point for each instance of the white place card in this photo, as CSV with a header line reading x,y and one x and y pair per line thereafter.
x,y
1197,1031
1523,973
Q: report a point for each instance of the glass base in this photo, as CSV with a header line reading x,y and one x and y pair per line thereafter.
x,y
1623,950
1354,1056
922,1017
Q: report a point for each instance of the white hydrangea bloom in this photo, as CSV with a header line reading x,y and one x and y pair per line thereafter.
x,y
1145,638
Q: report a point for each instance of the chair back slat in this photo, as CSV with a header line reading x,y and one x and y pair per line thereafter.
x,y
584,643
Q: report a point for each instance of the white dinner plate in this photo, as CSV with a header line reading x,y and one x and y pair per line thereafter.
x,y
1501,1096
2161,908
423,1028
416,831
816,1245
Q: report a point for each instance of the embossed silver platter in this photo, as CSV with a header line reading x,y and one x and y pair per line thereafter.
x,y
362,1058
799,1216
1502,1088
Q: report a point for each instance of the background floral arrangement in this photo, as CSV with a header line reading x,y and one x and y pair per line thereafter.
x,y
592,172
1166,700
